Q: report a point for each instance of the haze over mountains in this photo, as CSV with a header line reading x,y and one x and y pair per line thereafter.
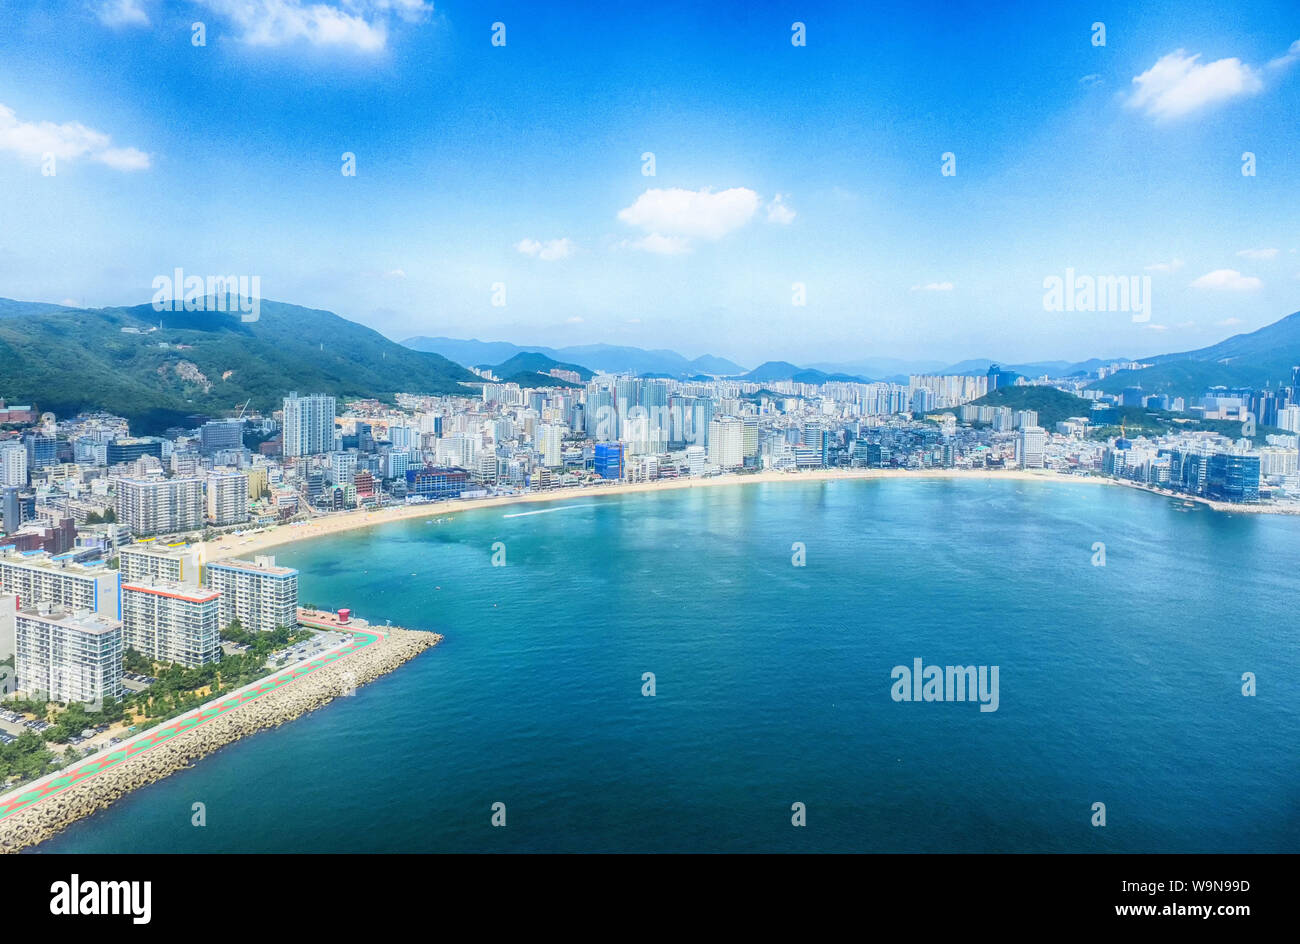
x,y
603,357
167,368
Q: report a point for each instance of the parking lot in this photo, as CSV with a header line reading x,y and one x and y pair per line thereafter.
x,y
320,642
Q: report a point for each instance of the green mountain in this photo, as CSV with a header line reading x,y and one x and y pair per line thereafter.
x,y
527,364
1257,359
1052,405
200,364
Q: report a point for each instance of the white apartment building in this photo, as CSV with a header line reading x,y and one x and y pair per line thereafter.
x,y
308,424
259,594
38,578
227,496
343,468
159,505
68,655
1031,447
166,563
726,442
550,439
13,464
8,611
171,622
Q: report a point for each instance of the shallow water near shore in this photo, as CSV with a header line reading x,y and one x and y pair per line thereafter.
x,y
1118,684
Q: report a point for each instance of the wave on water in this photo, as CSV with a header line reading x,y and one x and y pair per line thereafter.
x,y
547,511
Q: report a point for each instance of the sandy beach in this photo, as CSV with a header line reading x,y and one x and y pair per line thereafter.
x,y
258,542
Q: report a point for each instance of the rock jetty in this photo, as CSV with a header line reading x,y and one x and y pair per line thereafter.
x,y
39,821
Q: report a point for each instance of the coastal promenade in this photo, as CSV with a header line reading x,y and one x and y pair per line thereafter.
x,y
35,811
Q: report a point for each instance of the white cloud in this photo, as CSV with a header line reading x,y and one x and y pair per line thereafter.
x,y
1228,322
549,251
778,212
1259,254
1156,327
67,142
363,26
1290,56
674,216
1173,265
1227,280
395,274
1178,85
933,287
121,13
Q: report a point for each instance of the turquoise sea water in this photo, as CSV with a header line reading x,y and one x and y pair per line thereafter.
x,y
1118,684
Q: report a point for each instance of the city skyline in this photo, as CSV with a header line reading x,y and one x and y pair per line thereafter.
x,y
820,165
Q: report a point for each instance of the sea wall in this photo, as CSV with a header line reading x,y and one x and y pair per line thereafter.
x,y
38,822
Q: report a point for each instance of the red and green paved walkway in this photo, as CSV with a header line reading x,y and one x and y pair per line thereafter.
x,y
43,789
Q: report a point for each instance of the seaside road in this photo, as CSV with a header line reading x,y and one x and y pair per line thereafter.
x,y
28,795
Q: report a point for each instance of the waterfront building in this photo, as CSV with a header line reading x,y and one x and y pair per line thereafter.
x,y
67,655
433,483
171,622
259,594
1233,477
608,460
1031,447
727,441
163,563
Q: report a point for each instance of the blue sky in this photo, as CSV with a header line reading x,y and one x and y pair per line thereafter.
x,y
775,164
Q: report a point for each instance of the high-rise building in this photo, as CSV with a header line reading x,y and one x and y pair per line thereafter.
x,y
161,563
308,424
749,441
608,460
67,655
259,594
549,443
221,434
159,505
227,496
726,442
1233,477
1031,446
128,450
171,622
8,612
39,578
42,450
13,464
343,467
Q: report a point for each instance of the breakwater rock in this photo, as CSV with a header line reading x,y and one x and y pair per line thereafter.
x,y
37,821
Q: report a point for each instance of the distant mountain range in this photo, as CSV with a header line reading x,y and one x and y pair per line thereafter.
x,y
199,364
1257,359
784,370
160,369
609,358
